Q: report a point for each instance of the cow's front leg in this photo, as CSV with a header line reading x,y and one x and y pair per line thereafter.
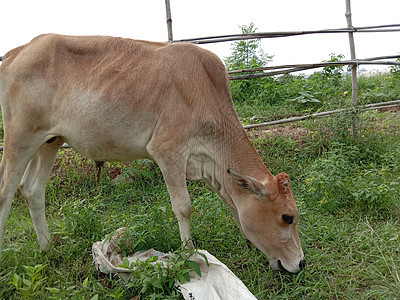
x,y
172,164
181,206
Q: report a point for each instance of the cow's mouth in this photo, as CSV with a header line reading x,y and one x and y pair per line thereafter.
x,y
282,268
302,264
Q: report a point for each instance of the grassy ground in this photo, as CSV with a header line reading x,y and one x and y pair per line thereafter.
x,y
346,189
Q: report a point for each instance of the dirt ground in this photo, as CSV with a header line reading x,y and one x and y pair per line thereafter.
x,y
291,131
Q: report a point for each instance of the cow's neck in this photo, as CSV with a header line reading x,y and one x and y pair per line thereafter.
x,y
232,149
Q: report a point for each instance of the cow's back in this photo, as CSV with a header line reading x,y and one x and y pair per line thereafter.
x,y
112,93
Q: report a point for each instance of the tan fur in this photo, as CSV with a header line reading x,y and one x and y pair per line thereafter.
x,y
115,99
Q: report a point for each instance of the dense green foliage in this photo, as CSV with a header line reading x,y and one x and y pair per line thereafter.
x,y
321,91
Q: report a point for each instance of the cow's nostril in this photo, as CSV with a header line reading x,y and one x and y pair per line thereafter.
x,y
302,264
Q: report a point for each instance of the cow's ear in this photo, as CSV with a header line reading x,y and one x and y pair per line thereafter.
x,y
249,183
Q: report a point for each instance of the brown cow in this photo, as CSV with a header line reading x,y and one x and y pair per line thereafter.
x,y
115,99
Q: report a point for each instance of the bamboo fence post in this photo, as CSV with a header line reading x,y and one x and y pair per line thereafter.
x,y
354,66
169,20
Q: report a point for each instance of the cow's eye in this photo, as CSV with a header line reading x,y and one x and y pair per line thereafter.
x,y
287,219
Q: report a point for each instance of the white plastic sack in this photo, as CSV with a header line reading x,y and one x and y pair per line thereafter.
x,y
216,281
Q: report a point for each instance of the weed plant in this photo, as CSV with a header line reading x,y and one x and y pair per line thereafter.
x,y
157,278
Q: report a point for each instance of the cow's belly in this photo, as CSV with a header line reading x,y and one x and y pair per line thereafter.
x,y
105,145
105,129
109,151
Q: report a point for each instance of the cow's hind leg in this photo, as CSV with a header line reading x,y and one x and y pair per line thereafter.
x,y
33,187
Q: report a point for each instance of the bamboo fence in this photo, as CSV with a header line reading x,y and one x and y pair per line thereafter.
x,y
285,69
350,29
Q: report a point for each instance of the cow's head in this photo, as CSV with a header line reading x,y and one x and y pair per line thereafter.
x,y
268,217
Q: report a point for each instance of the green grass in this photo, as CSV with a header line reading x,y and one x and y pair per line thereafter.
x,y
346,189
351,244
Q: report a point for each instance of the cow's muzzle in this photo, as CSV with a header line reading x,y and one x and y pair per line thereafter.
x,y
302,265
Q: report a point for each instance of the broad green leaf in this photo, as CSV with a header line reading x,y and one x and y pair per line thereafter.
x,y
157,284
27,282
181,278
194,266
125,262
171,283
205,257
86,282
153,259
179,263
17,278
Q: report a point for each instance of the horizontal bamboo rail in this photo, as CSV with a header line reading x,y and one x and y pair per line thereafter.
x,y
260,35
301,67
389,104
317,65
